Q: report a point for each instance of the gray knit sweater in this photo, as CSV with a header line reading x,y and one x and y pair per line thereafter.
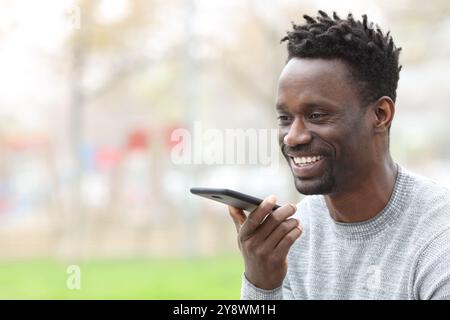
x,y
401,253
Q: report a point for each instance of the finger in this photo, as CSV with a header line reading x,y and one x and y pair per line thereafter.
x,y
274,219
280,232
238,216
255,218
288,240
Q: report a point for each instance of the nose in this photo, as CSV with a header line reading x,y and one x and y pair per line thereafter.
x,y
297,134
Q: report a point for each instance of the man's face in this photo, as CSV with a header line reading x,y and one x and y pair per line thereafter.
x,y
321,121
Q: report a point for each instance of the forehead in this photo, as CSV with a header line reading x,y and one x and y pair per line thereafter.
x,y
305,79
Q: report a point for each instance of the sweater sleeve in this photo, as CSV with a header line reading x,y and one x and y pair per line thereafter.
x,y
432,275
250,292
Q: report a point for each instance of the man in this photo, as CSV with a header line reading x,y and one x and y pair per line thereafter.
x,y
370,229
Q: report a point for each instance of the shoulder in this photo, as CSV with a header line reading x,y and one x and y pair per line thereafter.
x,y
429,202
428,189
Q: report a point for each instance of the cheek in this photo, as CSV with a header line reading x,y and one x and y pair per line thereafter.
x,y
355,148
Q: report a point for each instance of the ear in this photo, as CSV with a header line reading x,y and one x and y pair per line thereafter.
x,y
383,111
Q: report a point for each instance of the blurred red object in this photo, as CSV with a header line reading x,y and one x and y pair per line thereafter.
x,y
107,158
138,140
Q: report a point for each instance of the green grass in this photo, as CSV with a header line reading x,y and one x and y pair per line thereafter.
x,y
199,278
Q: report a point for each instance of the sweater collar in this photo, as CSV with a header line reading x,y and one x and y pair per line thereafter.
x,y
383,219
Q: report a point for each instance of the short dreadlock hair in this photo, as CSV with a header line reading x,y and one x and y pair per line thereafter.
x,y
371,56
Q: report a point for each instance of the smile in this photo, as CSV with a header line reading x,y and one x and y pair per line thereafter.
x,y
306,161
307,167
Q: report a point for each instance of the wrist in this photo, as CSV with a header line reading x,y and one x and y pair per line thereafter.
x,y
267,284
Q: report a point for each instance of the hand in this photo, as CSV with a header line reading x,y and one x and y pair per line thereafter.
x,y
264,238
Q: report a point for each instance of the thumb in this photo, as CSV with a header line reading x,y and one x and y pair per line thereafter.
x,y
238,216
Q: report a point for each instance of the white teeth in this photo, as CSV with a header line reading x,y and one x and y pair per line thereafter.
x,y
306,160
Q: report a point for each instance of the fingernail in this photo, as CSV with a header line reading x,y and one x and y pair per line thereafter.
x,y
272,199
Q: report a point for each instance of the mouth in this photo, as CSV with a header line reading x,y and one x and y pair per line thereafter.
x,y
305,161
306,167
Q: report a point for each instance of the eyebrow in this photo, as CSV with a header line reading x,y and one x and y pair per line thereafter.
x,y
309,105
280,107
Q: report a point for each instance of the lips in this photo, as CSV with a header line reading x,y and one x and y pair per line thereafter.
x,y
307,166
305,160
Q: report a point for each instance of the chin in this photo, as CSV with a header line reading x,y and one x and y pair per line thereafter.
x,y
312,187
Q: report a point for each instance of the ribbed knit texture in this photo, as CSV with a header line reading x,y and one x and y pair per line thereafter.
x,y
401,253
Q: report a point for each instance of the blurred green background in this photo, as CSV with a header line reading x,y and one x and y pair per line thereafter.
x,y
196,278
92,93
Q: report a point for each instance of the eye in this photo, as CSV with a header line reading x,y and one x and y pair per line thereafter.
x,y
316,115
282,119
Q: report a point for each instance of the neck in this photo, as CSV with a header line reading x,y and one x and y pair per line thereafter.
x,y
368,199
